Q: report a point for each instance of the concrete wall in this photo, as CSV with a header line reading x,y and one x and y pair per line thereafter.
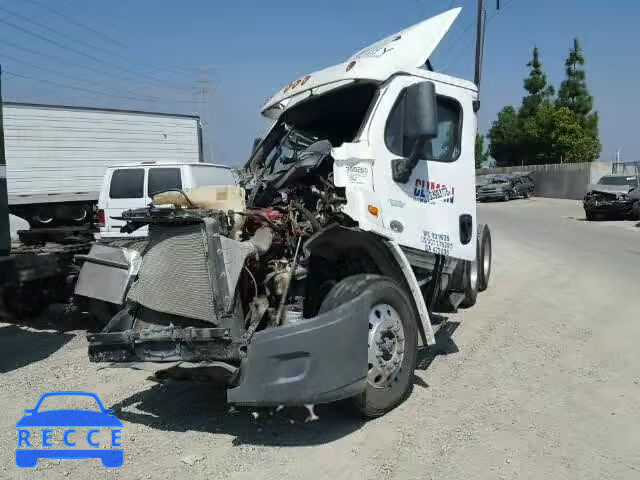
x,y
561,180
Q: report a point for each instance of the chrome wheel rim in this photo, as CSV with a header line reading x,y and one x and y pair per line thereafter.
x,y
473,274
486,259
386,345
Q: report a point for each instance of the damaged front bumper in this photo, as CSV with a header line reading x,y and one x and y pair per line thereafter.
x,y
319,360
621,208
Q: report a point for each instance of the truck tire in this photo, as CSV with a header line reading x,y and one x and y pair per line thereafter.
x,y
393,340
470,282
485,256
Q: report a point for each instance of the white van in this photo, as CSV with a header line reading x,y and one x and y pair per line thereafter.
x,y
132,185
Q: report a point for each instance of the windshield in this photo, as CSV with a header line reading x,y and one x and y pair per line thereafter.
x,y
500,180
288,150
336,116
615,180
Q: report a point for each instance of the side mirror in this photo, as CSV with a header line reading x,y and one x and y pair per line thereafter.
x,y
420,112
419,124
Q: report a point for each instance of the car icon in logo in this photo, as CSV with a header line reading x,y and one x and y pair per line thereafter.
x,y
31,447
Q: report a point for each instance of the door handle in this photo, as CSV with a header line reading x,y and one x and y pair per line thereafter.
x,y
466,228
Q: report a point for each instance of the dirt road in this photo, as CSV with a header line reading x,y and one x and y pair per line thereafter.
x,y
540,380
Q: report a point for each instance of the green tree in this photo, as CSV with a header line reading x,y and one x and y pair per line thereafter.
x,y
505,139
570,141
537,87
574,94
481,153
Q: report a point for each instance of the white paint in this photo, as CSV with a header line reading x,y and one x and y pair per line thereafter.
x,y
377,63
61,153
414,286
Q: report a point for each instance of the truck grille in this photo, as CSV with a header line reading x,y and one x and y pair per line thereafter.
x,y
174,277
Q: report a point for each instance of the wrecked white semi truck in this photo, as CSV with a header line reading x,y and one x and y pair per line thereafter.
x,y
359,222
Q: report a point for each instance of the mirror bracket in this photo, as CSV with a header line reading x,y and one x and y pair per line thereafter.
x,y
401,168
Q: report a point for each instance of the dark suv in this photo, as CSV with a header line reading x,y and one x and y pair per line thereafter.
x,y
614,196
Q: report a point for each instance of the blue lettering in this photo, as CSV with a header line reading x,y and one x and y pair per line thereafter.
x,y
90,439
65,438
115,435
23,436
46,437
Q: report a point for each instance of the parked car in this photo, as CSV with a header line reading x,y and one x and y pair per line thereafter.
x,y
502,187
528,186
614,196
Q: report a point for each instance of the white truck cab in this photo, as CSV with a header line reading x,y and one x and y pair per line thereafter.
x,y
433,209
132,185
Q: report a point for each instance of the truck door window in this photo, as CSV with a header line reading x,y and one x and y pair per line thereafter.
x,y
127,183
163,179
445,147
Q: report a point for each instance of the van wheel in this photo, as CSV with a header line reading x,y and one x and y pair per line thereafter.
x,y
484,256
392,340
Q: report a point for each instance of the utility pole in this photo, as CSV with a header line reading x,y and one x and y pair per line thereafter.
x,y
5,238
203,93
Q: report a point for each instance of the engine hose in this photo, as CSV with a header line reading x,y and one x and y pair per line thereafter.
x,y
315,224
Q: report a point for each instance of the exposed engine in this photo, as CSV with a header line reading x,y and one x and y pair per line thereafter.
x,y
241,270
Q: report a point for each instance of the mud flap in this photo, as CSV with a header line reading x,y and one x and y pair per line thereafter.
x,y
319,360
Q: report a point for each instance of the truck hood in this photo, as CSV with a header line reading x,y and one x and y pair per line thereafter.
x,y
400,52
609,188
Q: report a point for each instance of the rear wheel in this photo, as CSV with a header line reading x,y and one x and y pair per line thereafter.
x,y
484,257
392,341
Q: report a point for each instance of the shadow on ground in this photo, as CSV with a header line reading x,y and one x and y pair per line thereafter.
x,y
20,347
444,346
200,406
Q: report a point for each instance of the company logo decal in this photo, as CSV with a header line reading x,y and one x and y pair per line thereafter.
x,y
69,433
432,192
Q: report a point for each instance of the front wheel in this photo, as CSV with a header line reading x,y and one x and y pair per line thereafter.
x,y
392,340
506,197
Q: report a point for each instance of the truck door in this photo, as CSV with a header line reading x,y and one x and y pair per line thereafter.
x,y
435,210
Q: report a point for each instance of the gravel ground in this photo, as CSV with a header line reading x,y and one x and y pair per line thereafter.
x,y
541,379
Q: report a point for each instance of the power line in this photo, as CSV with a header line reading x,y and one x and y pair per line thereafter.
x,y
95,92
76,23
73,64
101,34
80,52
71,77
493,15
55,32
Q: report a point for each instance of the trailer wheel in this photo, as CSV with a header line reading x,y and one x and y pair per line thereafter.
x,y
392,341
484,256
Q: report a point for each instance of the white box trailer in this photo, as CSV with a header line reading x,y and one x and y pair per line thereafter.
x,y
57,155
